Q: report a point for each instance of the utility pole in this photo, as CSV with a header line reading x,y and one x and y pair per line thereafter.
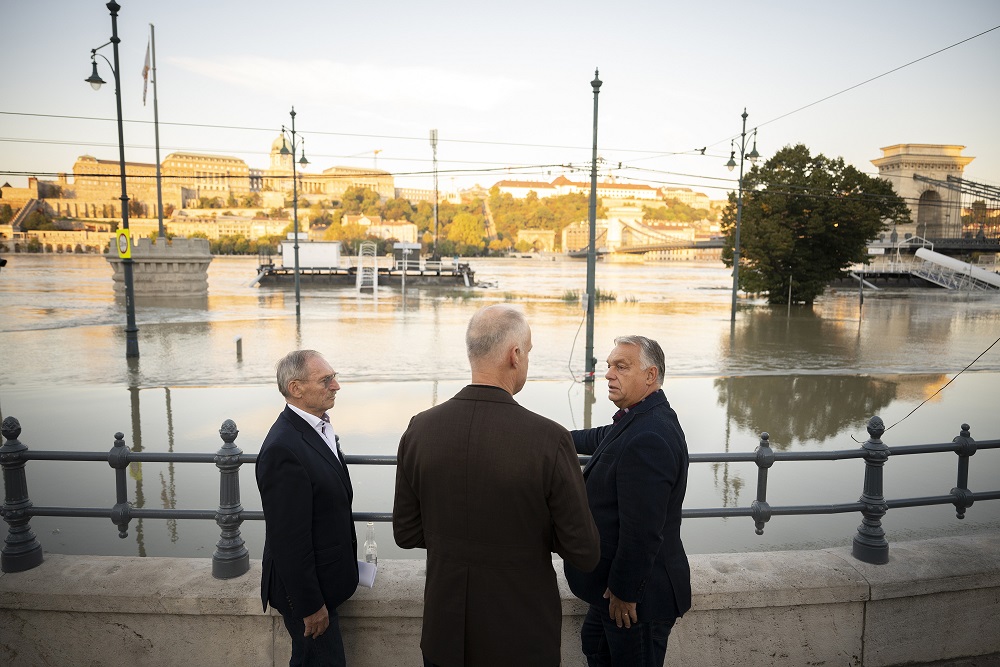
x,y
592,248
434,148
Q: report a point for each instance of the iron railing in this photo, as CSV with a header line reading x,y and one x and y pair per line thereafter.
x,y
22,551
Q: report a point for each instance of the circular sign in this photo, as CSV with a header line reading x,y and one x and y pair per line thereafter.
x,y
123,244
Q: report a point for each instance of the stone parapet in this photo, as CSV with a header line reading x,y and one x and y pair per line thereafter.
x,y
934,600
177,268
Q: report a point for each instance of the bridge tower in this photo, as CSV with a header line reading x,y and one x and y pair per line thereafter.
x,y
936,212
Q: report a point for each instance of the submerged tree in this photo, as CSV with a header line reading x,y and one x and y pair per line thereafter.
x,y
805,220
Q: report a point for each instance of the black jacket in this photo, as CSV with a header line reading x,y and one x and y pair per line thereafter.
x,y
310,546
635,486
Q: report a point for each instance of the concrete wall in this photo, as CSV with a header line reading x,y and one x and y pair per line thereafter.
x,y
935,599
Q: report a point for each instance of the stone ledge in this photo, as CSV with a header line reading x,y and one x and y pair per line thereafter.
x,y
935,600
939,565
719,581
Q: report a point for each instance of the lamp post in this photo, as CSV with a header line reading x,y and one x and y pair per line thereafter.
x,y
753,155
295,200
591,363
434,148
95,81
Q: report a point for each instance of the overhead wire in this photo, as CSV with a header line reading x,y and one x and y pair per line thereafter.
x,y
651,153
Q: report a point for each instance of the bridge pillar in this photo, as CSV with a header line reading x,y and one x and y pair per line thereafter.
x,y
936,212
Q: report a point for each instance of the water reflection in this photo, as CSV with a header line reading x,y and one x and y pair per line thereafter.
x,y
803,408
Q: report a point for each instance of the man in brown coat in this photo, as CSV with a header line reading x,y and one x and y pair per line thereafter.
x,y
491,489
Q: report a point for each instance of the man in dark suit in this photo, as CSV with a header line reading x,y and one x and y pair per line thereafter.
x,y
310,549
491,489
636,481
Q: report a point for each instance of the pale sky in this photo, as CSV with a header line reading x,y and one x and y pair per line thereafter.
x,y
505,84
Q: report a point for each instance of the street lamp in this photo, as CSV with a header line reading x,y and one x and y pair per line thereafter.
x,y
753,155
591,363
95,81
295,198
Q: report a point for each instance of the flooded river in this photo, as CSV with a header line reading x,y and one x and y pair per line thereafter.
x,y
810,377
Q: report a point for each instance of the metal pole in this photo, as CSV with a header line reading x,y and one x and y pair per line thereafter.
x,y
21,550
156,134
739,219
869,544
434,147
592,248
131,330
295,214
231,558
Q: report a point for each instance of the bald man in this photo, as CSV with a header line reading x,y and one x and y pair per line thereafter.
x,y
491,489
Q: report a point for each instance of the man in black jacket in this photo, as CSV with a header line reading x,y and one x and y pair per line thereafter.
x,y
310,549
636,481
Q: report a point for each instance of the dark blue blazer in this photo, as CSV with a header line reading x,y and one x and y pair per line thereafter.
x,y
310,546
635,486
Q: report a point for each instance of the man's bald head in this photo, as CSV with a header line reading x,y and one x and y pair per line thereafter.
x,y
493,331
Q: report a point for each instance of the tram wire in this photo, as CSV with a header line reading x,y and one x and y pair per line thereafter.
x,y
943,386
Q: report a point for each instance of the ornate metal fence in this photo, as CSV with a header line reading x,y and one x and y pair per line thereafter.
x,y
22,551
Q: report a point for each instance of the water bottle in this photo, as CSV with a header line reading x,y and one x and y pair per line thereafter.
x,y
371,549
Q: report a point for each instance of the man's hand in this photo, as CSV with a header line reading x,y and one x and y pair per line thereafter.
x,y
316,624
621,611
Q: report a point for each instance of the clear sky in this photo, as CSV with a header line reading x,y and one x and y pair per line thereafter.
x,y
505,84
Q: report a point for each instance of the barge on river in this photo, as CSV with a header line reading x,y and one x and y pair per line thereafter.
x,y
320,263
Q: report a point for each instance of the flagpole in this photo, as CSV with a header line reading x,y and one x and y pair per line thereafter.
x,y
156,132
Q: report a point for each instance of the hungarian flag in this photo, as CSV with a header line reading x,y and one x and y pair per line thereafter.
x,y
145,75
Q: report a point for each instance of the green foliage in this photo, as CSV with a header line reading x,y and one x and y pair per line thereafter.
x,y
466,229
252,200
6,214
210,202
359,200
805,219
241,245
38,220
511,215
398,209
574,295
675,211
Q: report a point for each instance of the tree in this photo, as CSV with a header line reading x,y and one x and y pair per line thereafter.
x,y
6,214
361,200
136,208
805,219
466,229
38,220
398,209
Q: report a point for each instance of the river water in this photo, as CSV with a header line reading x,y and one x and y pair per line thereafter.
x,y
810,377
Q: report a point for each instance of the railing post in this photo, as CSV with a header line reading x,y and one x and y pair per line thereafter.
x,y
870,545
231,558
21,550
121,513
966,448
764,458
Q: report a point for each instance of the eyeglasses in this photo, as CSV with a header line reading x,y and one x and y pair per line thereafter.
x,y
327,379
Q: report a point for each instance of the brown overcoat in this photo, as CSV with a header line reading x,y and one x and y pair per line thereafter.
x,y
491,489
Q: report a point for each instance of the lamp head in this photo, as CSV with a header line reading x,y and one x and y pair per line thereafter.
x,y
753,156
284,147
94,79
732,161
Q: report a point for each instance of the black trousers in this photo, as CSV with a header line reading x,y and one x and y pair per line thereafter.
x,y
327,650
607,645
